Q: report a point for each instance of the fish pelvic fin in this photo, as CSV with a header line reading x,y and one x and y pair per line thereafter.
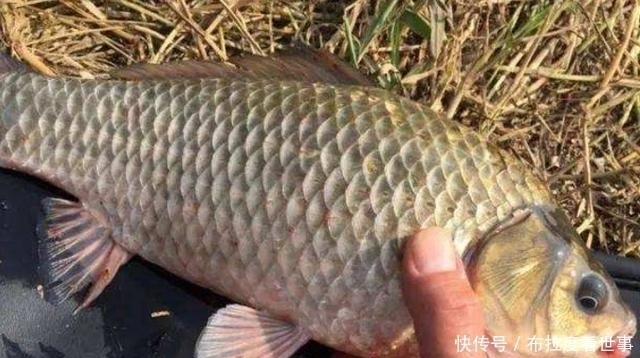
x,y
241,331
76,249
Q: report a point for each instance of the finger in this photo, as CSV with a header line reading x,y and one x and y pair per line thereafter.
x,y
439,296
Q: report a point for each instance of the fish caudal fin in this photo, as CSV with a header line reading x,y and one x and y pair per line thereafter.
x,y
76,249
241,331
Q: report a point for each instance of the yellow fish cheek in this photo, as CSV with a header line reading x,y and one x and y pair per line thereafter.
x,y
566,323
583,310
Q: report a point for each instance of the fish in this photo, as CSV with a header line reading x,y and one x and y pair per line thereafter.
x,y
290,184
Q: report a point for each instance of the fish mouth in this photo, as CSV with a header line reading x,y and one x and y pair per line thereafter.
x,y
620,346
613,352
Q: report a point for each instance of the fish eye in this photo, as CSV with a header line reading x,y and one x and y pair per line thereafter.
x,y
592,294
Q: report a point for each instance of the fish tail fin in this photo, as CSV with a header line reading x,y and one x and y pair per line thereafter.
x,y
76,249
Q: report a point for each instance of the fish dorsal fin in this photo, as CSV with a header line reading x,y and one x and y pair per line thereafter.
x,y
76,249
297,64
241,331
9,64
188,69
303,64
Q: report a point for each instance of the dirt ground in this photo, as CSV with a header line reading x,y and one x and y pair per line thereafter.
x,y
556,82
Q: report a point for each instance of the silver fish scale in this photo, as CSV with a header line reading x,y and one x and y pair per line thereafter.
x,y
289,197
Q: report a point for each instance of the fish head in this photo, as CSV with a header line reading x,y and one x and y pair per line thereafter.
x,y
542,288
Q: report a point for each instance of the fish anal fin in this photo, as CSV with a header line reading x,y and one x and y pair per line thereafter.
x,y
116,258
300,63
76,249
241,331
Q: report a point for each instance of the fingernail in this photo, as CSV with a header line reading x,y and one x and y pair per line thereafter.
x,y
433,251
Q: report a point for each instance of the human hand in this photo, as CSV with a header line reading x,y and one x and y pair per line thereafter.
x,y
438,296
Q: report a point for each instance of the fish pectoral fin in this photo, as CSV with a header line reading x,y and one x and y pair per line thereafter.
x,y
241,331
76,249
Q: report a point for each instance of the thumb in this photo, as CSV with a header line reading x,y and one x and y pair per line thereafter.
x,y
439,297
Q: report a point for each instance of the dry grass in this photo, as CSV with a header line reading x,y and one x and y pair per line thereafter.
x,y
557,82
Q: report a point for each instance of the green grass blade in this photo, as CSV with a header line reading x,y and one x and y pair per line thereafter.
x,y
352,45
416,22
374,30
396,31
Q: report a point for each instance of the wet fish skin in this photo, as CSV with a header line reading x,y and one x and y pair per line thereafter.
x,y
289,197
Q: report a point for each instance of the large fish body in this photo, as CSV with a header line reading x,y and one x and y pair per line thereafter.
x,y
289,197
